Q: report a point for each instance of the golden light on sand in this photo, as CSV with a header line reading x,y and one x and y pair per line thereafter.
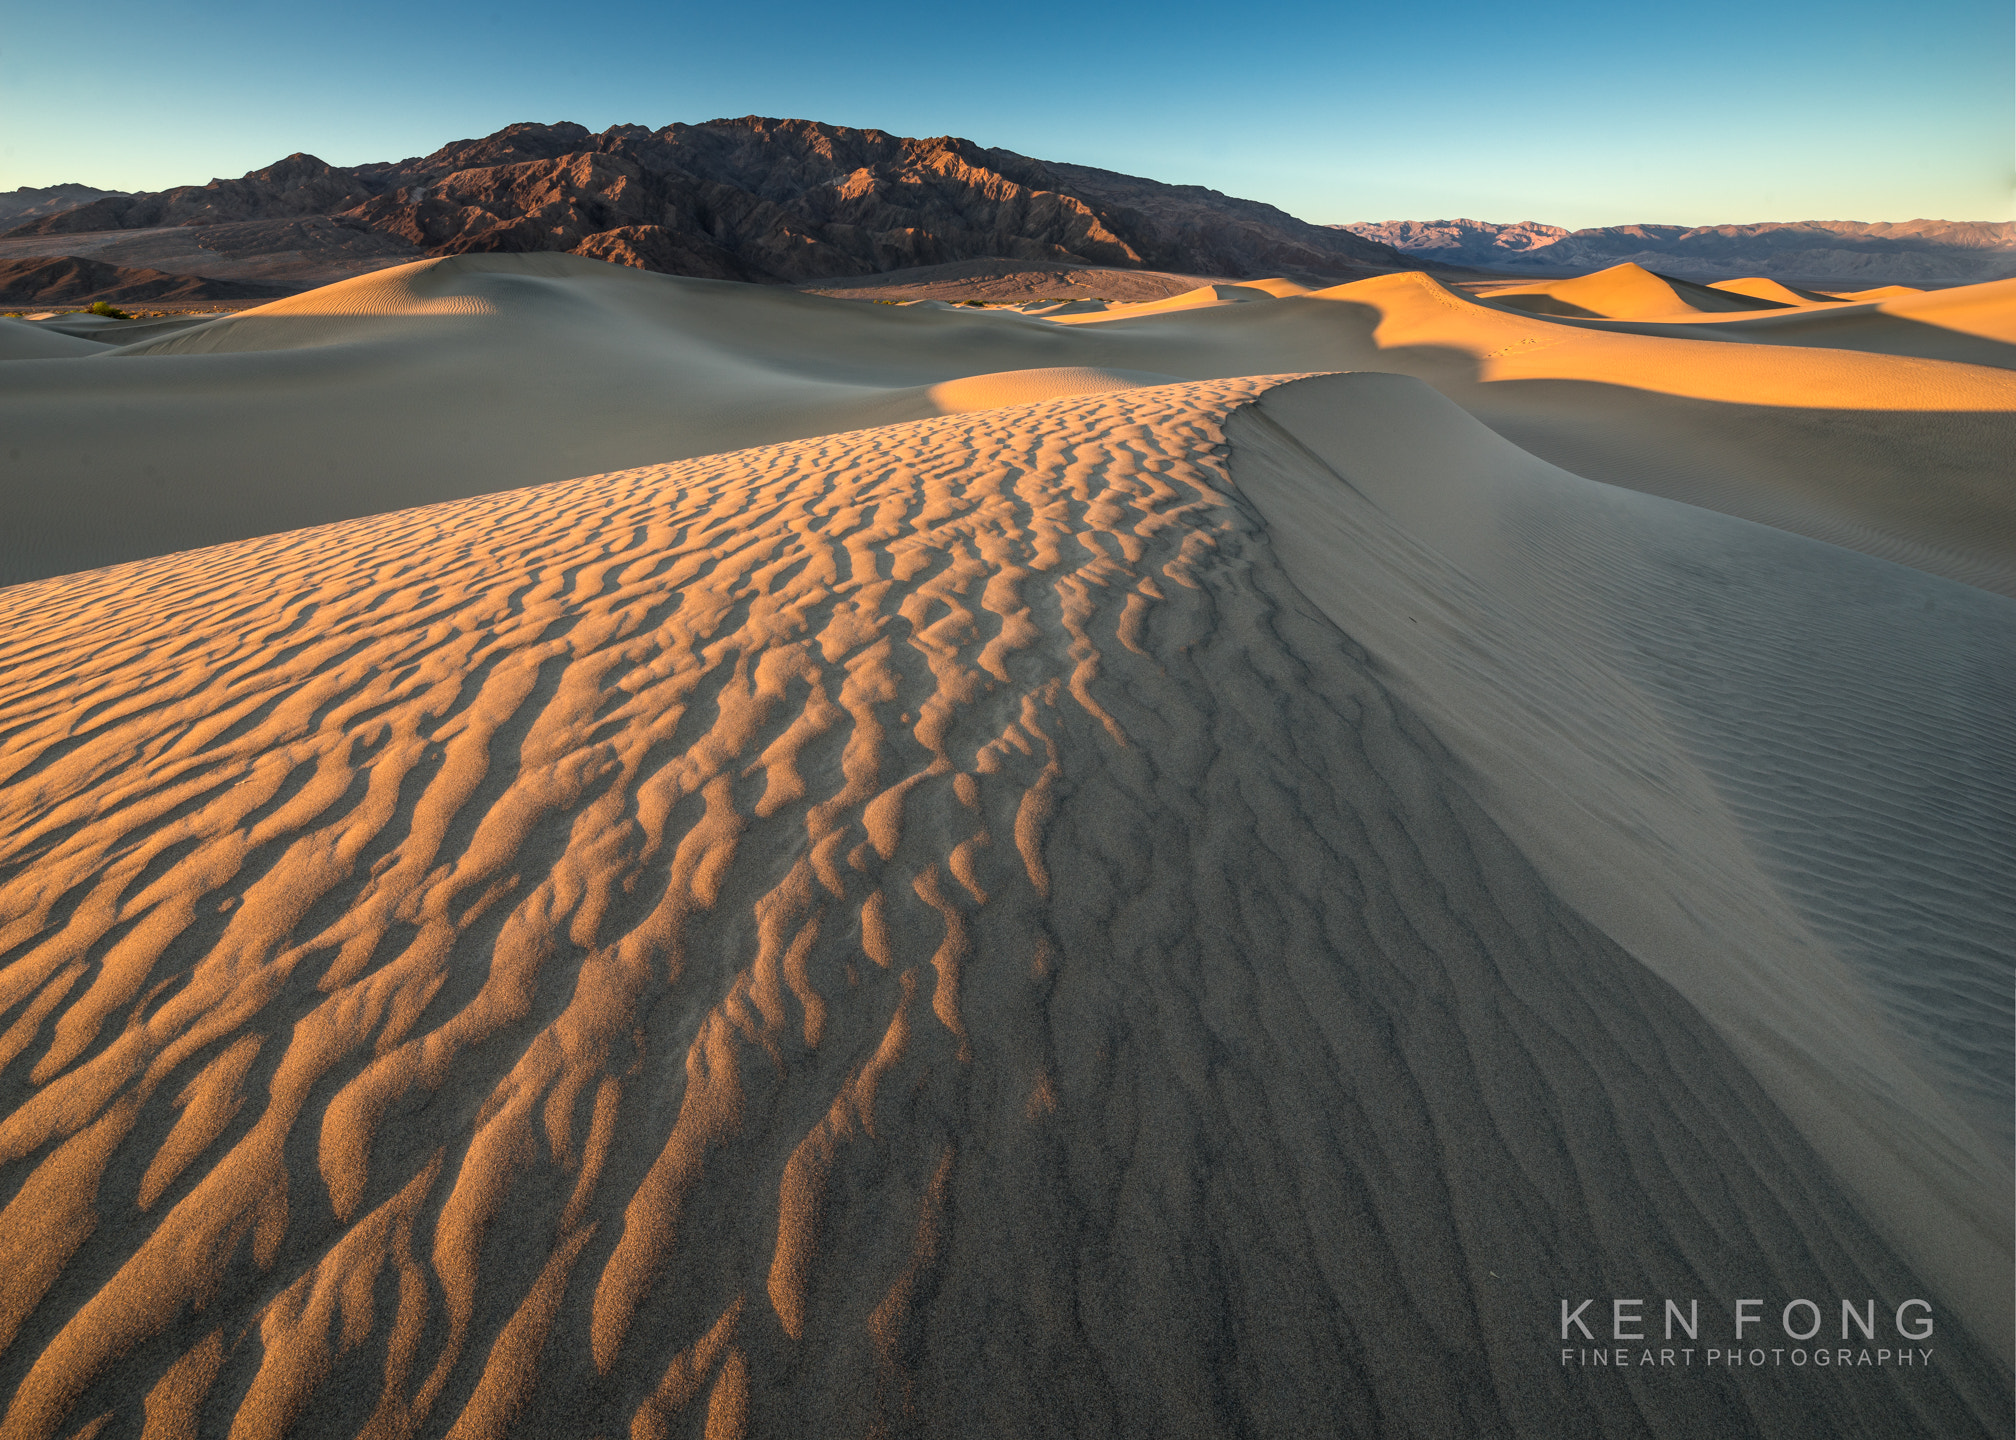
x,y
1196,865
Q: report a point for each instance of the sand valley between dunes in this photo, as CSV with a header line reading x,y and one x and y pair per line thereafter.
x,y
591,854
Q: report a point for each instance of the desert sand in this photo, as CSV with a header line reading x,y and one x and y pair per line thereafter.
x,y
588,853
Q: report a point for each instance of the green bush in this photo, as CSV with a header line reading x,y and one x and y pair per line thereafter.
x,y
108,310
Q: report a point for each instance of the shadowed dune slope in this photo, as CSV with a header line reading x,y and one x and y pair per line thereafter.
x,y
22,341
1710,736
926,931
1894,455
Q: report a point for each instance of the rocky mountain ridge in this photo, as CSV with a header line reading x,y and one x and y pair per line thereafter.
x,y
1911,252
755,199
32,202
79,280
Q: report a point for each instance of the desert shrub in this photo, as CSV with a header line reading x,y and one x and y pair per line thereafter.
x,y
108,310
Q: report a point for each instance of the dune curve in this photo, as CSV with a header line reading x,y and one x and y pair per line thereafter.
x,y
1709,735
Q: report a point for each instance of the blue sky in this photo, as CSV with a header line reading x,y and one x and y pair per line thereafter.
x,y
1574,113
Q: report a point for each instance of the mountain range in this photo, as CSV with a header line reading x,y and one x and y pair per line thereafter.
x,y
1851,252
804,203
751,199
30,202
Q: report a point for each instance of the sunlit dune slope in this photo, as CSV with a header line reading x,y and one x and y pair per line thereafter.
x,y
1759,287
1987,311
1626,292
1279,288
947,927
1974,324
1025,387
1201,297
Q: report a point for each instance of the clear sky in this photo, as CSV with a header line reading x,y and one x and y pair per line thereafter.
x,y
1575,113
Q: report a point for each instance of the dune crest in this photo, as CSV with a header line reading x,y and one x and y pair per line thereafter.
x,y
1760,287
1626,292
1025,387
762,941
1202,298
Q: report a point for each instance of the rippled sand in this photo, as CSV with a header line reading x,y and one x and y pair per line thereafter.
x,y
1109,902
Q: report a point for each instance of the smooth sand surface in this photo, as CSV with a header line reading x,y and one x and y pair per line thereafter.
x,y
1202,296
1011,878
1626,292
20,340
1759,287
1710,736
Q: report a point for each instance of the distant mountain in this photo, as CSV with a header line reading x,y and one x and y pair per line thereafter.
x,y
31,203
70,280
756,199
1913,252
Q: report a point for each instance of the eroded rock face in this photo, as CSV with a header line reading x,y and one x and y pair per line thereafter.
x,y
759,199
32,202
298,185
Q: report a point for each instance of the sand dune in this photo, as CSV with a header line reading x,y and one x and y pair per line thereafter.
x,y
1203,296
1279,288
1880,292
22,341
1735,693
445,379
490,372
1974,325
1778,435
1760,287
983,875
967,923
1626,292
1024,387
1987,311
487,372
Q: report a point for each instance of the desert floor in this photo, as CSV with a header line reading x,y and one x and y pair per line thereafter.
x,y
1188,863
